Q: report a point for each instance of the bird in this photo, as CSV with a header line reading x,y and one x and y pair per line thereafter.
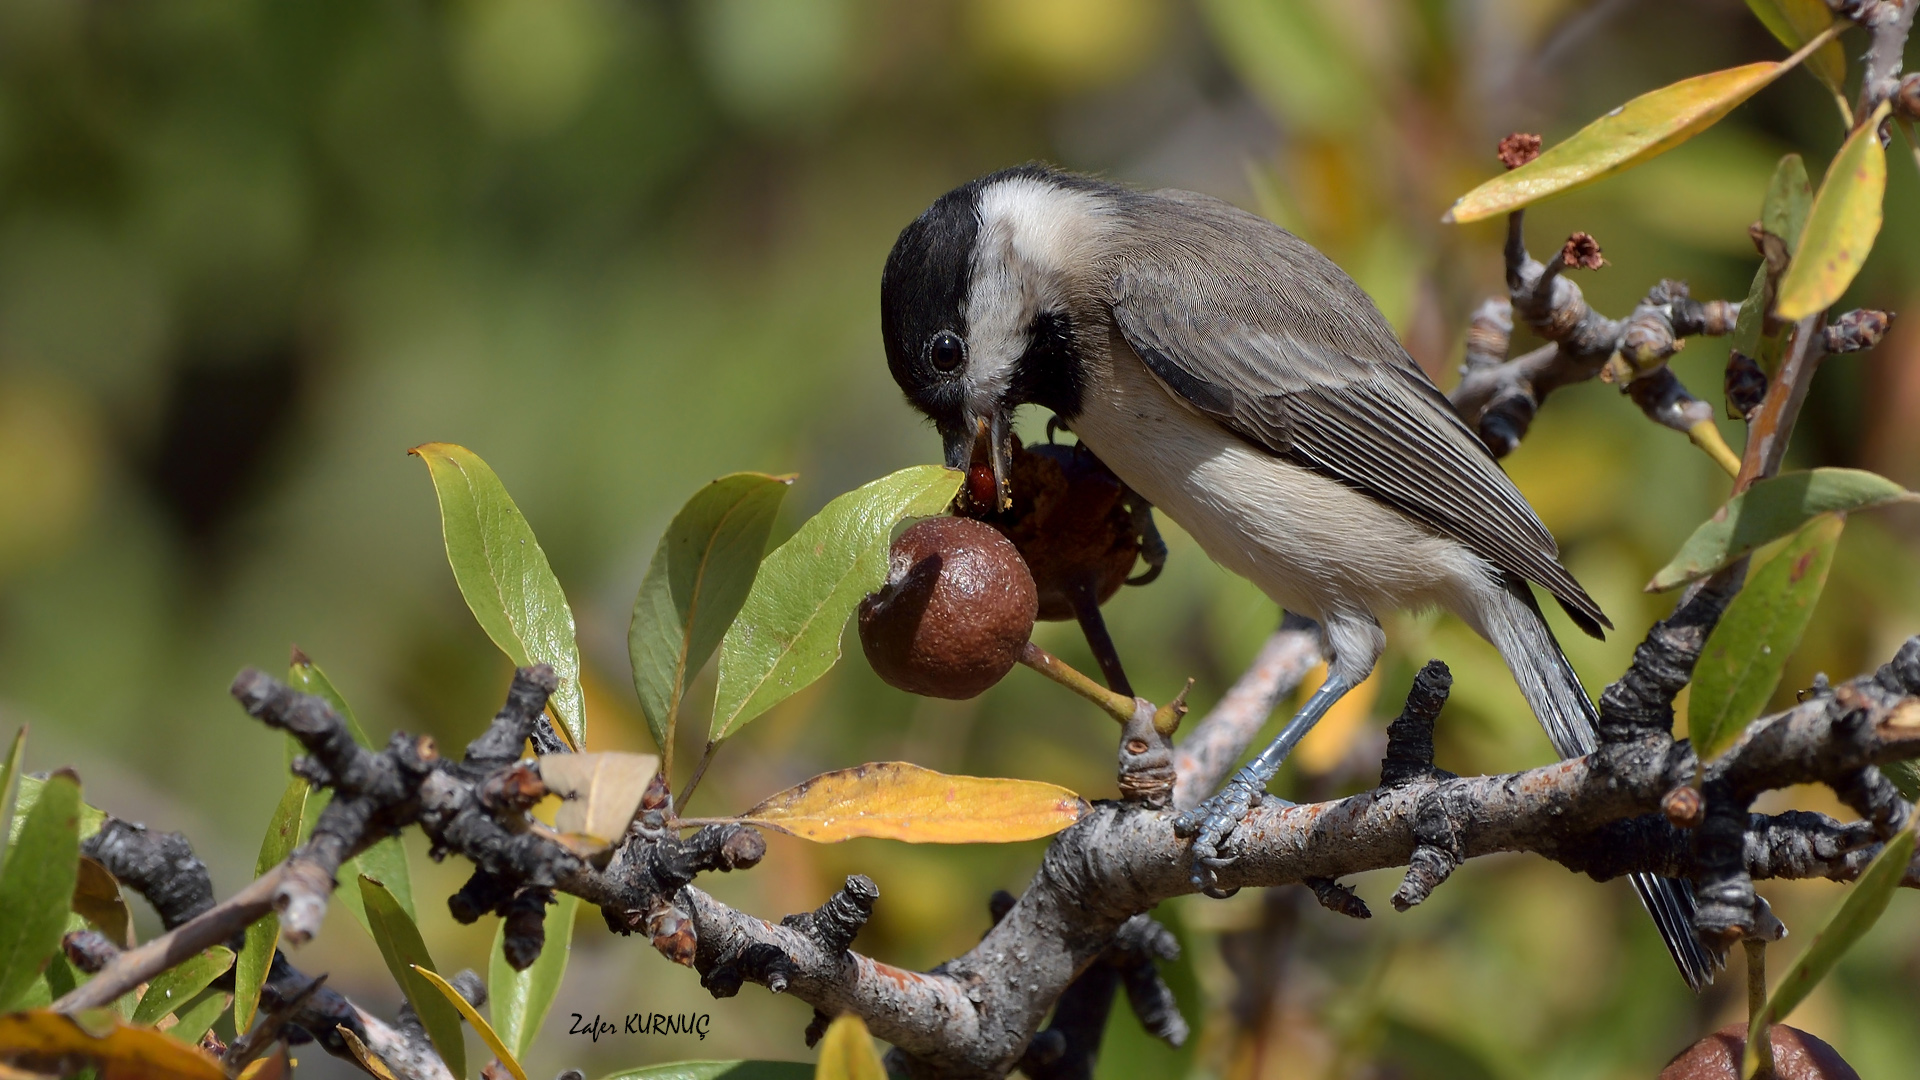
x,y
1241,382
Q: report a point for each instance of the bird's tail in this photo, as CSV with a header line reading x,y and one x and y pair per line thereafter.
x,y
1547,681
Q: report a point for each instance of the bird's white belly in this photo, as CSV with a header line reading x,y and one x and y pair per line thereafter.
x,y
1312,544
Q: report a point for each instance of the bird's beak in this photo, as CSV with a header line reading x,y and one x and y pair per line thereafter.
x,y
986,443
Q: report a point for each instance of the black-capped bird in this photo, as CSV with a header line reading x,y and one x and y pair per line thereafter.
x,y
1241,382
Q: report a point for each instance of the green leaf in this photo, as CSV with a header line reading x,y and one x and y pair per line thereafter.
x,y
1796,22
194,1018
699,577
1741,664
1789,201
256,954
1636,132
788,632
1864,904
402,947
180,984
36,885
504,575
1841,225
8,770
1770,509
519,1000
90,818
305,676
1905,776
386,860
718,1070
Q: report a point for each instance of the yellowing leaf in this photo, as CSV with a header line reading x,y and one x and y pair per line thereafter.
x,y
602,790
504,575
277,1065
901,801
1638,131
474,1018
1864,904
847,1053
1741,664
45,1041
1770,509
698,579
788,632
1796,22
1841,226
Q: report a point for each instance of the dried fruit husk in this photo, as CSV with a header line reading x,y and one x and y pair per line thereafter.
x,y
1071,522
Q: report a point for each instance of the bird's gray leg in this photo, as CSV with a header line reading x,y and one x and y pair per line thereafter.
x,y
1356,644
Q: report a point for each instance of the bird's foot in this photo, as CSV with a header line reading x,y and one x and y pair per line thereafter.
x,y
1211,824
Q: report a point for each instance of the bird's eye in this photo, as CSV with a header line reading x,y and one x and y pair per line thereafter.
x,y
947,351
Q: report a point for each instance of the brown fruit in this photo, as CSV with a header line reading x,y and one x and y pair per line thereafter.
x,y
955,612
1069,519
1796,1056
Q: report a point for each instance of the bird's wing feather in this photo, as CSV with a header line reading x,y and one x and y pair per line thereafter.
x,y
1329,389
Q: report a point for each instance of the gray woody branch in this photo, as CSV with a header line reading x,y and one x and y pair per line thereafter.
x,y
979,1014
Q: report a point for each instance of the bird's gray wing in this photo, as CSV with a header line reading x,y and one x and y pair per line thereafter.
x,y
1333,391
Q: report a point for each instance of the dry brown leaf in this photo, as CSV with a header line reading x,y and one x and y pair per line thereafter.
x,y
898,800
368,1059
44,1040
97,899
602,790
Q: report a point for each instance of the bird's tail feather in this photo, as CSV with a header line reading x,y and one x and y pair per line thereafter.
x,y
1550,686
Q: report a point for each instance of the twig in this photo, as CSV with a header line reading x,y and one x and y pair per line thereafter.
x,y
211,927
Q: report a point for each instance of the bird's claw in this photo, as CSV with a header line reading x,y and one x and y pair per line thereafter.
x,y
1212,823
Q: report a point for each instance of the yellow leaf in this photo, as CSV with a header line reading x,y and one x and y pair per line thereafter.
x,y
901,801
847,1053
602,790
1640,130
275,1066
42,1040
1796,22
1841,226
1327,744
368,1059
474,1019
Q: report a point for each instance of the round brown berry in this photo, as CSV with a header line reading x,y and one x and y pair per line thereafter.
x,y
955,612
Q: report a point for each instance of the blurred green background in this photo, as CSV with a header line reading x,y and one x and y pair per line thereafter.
x,y
252,250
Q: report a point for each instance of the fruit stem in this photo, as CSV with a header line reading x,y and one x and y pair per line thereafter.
x,y
1116,705
1757,1004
